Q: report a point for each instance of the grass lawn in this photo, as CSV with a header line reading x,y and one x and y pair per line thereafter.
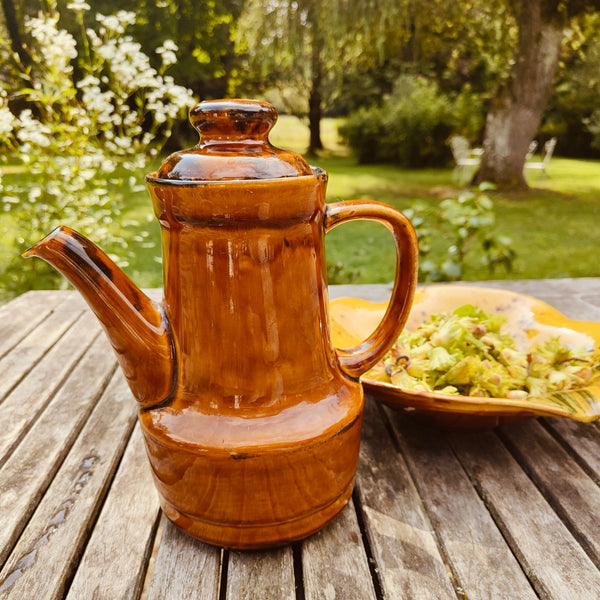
x,y
554,226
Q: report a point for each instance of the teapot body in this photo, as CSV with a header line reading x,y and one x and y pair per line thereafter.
x,y
251,417
259,443
245,290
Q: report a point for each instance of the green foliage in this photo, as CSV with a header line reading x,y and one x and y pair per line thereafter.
x,y
593,125
203,29
413,124
463,230
468,113
572,110
83,143
337,273
409,129
295,53
467,223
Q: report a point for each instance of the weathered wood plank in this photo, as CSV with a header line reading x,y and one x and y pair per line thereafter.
x,y
24,356
334,561
479,556
555,563
403,545
572,494
25,403
583,440
44,559
29,470
24,313
115,559
268,575
184,568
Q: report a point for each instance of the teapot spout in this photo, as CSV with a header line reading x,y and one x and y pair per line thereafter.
x,y
136,325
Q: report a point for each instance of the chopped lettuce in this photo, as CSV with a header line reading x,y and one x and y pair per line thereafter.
x,y
465,352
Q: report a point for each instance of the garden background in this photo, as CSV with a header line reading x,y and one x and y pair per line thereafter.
x,y
92,97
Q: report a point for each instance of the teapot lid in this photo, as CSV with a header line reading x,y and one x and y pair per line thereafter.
x,y
234,144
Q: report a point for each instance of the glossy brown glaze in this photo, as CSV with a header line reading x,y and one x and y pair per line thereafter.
x,y
255,439
134,324
234,144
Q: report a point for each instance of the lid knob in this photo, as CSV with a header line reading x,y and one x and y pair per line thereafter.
x,y
233,120
234,144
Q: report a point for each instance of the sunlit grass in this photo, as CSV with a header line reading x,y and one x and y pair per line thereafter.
x,y
553,226
292,133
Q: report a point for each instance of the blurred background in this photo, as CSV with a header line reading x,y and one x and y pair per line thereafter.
x,y
93,96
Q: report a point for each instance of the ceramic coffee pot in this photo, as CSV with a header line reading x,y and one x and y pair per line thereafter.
x,y
251,418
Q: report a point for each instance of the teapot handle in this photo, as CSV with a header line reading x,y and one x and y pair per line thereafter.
x,y
360,358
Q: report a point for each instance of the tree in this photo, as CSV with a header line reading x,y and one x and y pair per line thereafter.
x,y
572,111
303,49
202,29
14,13
347,54
292,45
12,27
516,111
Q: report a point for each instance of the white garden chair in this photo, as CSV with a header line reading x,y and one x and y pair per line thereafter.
x,y
542,164
465,157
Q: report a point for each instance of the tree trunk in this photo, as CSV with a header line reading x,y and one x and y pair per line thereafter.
x,y
14,33
516,112
315,109
314,116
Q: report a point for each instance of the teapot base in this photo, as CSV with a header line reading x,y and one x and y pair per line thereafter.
x,y
243,536
268,493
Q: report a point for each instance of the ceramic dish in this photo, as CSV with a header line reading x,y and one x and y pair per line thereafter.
x,y
530,322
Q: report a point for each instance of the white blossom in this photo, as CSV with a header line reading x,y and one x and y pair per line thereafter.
x,y
107,165
168,58
7,121
78,5
167,52
111,23
116,23
94,38
169,45
81,135
59,45
31,131
35,192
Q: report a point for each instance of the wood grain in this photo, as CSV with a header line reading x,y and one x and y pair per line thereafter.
x,y
36,343
484,565
125,528
24,313
185,568
29,470
268,575
555,563
334,561
402,541
573,495
25,403
582,440
47,552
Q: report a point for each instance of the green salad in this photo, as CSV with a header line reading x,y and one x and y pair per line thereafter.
x,y
465,352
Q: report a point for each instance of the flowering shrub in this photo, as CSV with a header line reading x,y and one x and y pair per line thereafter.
x,y
83,142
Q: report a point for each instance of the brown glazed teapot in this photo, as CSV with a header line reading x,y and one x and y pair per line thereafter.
x,y
250,416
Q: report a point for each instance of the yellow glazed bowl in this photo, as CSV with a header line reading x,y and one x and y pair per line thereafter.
x,y
530,322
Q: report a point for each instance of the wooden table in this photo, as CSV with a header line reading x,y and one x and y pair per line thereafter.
x,y
511,513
